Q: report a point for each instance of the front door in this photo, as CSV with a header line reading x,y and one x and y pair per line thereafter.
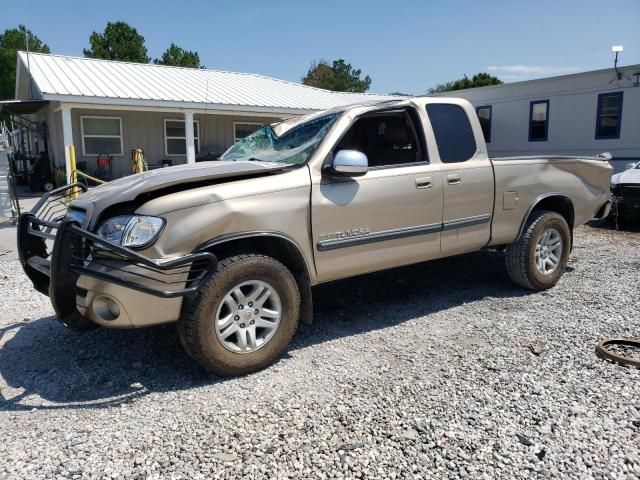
x,y
390,216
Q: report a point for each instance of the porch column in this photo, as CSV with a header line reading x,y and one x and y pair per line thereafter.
x,y
188,126
67,137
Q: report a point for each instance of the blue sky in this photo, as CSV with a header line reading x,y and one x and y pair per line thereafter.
x,y
404,46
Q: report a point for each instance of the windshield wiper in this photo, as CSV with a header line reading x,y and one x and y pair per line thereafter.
x,y
254,159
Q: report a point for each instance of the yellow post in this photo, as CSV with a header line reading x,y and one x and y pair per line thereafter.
x,y
74,172
138,164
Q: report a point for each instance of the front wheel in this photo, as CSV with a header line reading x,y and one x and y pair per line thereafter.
x,y
539,257
244,316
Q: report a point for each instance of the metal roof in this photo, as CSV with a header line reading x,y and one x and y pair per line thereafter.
x,y
568,78
87,80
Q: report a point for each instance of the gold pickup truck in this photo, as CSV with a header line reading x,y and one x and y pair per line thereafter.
x,y
230,250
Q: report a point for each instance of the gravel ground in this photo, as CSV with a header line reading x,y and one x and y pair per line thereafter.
x,y
443,370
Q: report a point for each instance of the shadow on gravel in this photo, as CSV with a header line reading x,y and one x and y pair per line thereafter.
x,y
628,226
103,368
7,224
96,369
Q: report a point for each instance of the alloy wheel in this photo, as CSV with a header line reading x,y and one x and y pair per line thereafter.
x,y
248,316
548,251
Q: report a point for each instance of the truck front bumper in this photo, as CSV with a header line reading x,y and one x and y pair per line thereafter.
x,y
86,276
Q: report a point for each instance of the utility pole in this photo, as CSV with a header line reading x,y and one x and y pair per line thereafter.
x,y
26,41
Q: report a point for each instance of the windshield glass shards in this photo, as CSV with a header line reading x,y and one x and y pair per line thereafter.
x,y
293,147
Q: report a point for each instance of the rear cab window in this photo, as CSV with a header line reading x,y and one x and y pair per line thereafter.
x,y
484,117
455,139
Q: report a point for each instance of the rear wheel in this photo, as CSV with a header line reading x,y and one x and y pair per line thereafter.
x,y
539,257
243,318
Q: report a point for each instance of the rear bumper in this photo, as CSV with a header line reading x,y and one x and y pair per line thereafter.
x,y
87,276
604,210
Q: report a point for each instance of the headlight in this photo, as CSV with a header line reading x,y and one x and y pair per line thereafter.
x,y
131,230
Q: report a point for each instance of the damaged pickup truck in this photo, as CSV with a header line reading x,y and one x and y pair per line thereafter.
x,y
230,250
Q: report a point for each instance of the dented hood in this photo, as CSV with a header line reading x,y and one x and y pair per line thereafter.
x,y
128,188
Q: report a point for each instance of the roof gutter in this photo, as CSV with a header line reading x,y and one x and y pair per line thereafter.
x,y
105,102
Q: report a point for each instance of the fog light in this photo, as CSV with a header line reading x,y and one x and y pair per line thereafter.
x,y
106,308
113,307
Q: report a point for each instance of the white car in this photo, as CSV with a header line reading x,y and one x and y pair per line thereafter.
x,y
625,187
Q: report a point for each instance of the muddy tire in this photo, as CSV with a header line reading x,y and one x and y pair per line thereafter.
x,y
539,257
79,323
244,316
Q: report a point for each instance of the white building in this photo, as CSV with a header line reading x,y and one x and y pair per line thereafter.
x,y
110,108
580,114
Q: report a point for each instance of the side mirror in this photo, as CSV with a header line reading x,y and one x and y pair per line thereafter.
x,y
629,166
350,162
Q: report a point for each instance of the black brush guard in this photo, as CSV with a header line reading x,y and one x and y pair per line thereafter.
x,y
77,251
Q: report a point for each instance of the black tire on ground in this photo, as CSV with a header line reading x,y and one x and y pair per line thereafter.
x,y
197,324
79,323
520,255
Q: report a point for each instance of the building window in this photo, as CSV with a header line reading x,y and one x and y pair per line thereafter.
x,y
539,121
244,129
484,115
175,137
101,135
452,129
609,116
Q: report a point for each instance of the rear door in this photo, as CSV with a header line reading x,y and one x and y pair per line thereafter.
x,y
467,176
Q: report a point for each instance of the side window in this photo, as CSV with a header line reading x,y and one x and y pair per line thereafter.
x,y
609,115
484,115
453,132
387,139
539,121
101,135
175,137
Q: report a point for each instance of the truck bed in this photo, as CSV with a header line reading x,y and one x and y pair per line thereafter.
x,y
522,181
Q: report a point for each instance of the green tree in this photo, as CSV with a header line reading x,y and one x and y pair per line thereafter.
x,y
12,40
401,94
119,41
177,57
478,80
338,77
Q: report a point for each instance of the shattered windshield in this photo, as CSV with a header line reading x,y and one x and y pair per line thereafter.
x,y
293,147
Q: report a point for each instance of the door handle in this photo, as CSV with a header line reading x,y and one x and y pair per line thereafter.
x,y
424,182
454,179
